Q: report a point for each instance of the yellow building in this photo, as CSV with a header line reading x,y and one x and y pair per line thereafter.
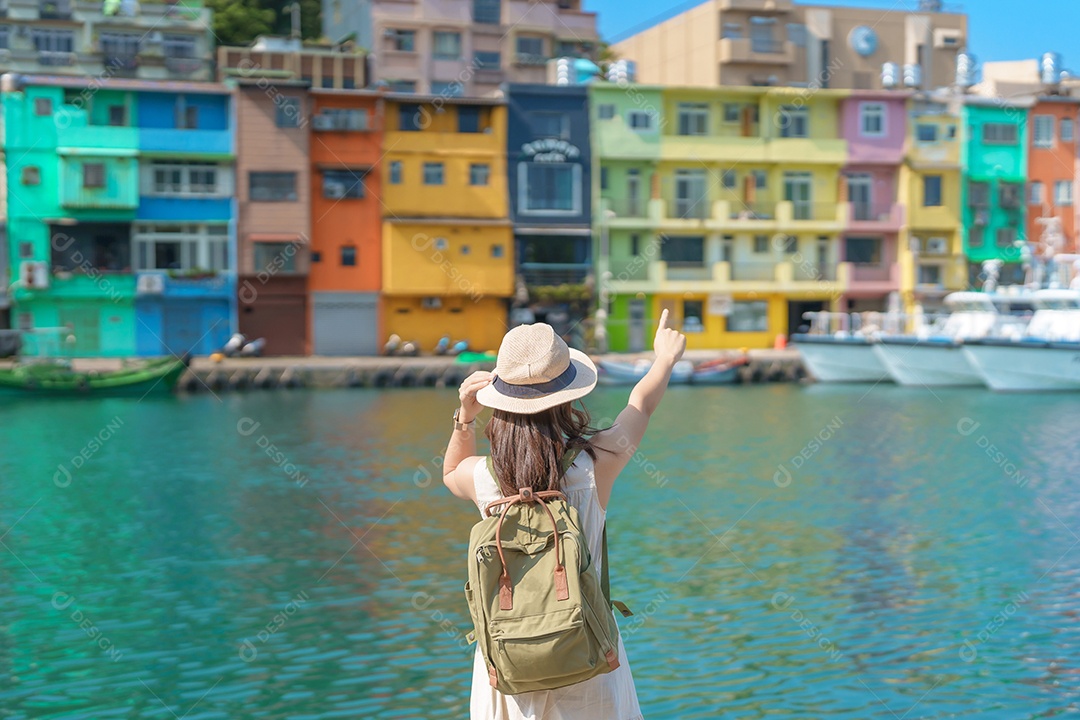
x,y
727,212
931,252
448,252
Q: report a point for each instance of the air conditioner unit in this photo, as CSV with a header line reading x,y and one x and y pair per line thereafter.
x,y
937,246
34,275
431,303
334,191
322,122
150,284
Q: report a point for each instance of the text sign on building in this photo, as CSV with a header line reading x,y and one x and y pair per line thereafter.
x,y
719,304
551,150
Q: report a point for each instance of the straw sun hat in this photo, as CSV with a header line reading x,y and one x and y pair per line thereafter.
x,y
535,370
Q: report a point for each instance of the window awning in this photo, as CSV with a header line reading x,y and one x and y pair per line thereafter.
x,y
277,237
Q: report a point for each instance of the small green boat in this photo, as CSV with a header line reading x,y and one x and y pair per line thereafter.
x,y
158,376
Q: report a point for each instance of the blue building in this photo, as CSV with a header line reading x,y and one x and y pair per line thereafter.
x,y
549,164
184,235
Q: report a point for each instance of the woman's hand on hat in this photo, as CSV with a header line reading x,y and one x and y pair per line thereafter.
x,y
668,344
470,407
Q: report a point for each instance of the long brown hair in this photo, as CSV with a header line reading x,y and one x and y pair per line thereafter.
x,y
526,450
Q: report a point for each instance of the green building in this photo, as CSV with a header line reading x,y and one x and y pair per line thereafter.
x,y
994,161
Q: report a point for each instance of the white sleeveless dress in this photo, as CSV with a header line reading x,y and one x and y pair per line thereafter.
x,y
610,696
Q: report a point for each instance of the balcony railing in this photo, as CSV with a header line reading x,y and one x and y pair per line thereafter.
x,y
120,64
870,272
753,211
755,270
52,10
762,45
531,59
804,271
628,207
871,212
539,274
813,211
689,208
184,65
56,58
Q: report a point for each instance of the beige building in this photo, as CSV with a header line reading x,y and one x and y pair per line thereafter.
x,y
470,47
287,59
778,42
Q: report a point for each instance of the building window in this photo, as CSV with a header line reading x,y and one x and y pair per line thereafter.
x,y
999,134
31,175
479,173
550,124
1035,193
402,86
278,256
487,59
117,115
184,247
975,236
926,133
447,89
497,250
1011,195
410,118
683,251
5,37
931,191
288,112
693,119
1043,136
402,40
930,275
1063,193
603,178
732,113
635,245
606,111
693,313
761,244
729,179
863,250
43,106
794,121
761,179
730,31
978,194
791,245
348,256
468,119
872,119
342,184
178,46
530,47
183,179
272,186
553,188
185,117
433,173
1066,130
395,172
748,317
640,120
1006,237
447,45
94,175
487,12
51,42
343,119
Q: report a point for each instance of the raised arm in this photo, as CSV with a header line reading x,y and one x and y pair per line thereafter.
x,y
460,458
623,438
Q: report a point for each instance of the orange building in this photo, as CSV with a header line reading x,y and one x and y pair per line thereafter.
x,y
346,222
1052,167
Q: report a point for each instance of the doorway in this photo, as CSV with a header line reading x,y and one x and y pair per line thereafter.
x,y
796,309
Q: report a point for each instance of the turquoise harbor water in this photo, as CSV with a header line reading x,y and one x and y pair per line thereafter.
x,y
791,552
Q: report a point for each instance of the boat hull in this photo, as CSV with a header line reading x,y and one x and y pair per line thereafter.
x,y
926,363
830,359
719,376
620,373
155,377
1026,366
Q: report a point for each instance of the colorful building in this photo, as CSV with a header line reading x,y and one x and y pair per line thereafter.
x,y
118,213
720,205
274,59
1052,168
346,222
549,160
448,245
931,247
875,127
273,192
995,162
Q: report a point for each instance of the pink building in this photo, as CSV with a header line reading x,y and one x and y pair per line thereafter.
x,y
874,123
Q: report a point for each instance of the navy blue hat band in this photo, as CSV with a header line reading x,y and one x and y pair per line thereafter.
x,y
538,389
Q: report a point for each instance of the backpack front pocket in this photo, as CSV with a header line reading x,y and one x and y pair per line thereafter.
x,y
543,647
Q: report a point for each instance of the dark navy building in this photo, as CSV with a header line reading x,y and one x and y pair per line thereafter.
x,y
549,165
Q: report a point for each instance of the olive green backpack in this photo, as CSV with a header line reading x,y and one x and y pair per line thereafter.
x,y
542,617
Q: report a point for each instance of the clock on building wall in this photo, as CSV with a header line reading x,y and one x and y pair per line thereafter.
x,y
863,40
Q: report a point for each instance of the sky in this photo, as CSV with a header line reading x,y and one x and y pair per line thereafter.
x,y
998,29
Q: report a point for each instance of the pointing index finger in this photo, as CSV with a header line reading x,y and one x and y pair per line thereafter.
x,y
663,320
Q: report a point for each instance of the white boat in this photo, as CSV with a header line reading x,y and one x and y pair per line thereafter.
x,y
933,356
613,372
840,356
1045,357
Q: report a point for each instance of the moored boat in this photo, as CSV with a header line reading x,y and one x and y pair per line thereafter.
x,y
55,378
615,372
717,372
843,355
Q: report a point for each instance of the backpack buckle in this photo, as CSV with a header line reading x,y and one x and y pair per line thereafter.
x,y
526,494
